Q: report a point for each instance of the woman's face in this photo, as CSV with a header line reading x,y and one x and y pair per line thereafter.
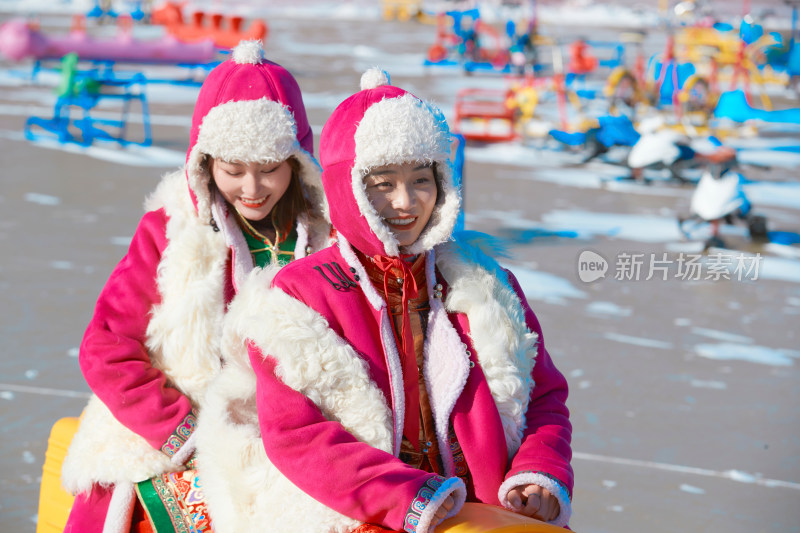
x,y
404,196
252,188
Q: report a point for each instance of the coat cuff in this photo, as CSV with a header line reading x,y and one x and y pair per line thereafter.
x,y
546,481
420,517
180,445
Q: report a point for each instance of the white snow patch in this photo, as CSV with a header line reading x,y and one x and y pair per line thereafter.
x,y
608,308
31,373
727,351
544,286
28,457
609,484
638,341
121,241
770,158
61,265
774,194
691,489
708,384
42,199
6,395
640,228
740,476
73,352
721,335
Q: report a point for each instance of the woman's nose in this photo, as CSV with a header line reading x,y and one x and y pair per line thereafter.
x,y
250,183
403,198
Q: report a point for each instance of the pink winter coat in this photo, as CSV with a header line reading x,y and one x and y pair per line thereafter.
x,y
153,344
371,485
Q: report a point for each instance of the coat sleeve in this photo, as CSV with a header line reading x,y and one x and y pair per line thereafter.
x,y
545,454
113,356
329,464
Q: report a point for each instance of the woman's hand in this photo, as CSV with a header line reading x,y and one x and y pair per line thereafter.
x,y
534,501
445,508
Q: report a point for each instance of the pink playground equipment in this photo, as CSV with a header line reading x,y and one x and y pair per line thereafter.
x,y
224,32
22,40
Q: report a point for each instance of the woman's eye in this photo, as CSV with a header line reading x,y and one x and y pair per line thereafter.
x,y
269,170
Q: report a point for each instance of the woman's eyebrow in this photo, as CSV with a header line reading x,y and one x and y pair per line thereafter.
x,y
422,167
381,172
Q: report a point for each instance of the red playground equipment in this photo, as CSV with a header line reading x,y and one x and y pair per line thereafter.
x,y
483,115
225,32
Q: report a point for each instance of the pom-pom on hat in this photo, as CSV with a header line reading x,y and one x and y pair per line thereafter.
x,y
382,125
251,110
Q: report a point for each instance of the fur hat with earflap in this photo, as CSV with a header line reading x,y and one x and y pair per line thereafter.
x,y
382,125
250,110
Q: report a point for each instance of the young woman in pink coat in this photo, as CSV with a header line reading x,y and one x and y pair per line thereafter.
x,y
249,195
396,374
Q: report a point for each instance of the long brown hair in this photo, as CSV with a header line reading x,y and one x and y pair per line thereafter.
x,y
293,202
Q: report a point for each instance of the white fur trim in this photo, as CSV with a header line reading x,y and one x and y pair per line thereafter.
x,y
395,379
374,78
106,452
120,509
454,486
248,52
387,339
243,489
249,131
533,478
404,130
506,348
446,365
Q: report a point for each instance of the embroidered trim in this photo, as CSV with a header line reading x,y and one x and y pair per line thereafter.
x,y
460,467
180,435
420,502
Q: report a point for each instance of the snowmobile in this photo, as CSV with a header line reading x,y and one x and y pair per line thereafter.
x,y
719,198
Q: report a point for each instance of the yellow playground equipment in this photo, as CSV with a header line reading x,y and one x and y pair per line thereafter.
x,y
402,10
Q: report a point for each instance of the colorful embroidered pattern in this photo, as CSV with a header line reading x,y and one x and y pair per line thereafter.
x,y
180,435
175,503
459,461
420,503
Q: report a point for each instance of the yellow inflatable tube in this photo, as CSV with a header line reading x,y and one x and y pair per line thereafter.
x,y
54,502
481,518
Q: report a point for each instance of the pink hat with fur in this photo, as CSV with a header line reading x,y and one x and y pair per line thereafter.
x,y
382,125
251,110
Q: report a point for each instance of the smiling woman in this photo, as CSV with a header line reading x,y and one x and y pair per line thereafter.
x,y
266,198
404,196
154,344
